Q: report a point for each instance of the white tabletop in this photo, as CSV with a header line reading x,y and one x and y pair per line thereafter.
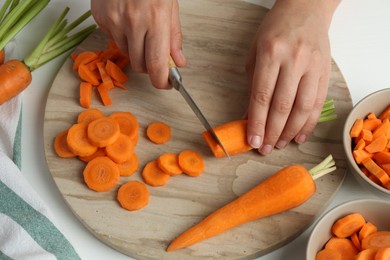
x,y
360,41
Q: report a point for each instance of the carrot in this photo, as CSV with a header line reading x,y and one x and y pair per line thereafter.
x,y
105,77
344,246
376,170
360,145
287,188
89,115
169,163
385,113
348,225
133,195
359,155
115,72
367,229
153,175
2,56
191,162
386,168
87,75
103,131
83,58
130,166
378,144
78,141
101,174
61,145
356,241
356,128
367,254
328,254
14,78
383,253
371,123
233,137
158,132
382,157
121,150
128,123
85,94
119,85
122,62
376,240
103,93
99,152
366,135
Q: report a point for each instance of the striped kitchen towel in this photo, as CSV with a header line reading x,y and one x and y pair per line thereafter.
x,y
26,227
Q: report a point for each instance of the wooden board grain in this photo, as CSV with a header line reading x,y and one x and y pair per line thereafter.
x,y
217,35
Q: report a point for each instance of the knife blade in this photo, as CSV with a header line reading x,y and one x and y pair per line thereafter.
x,y
175,80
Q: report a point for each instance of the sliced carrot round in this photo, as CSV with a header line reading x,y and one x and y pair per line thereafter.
x,y
347,225
78,141
133,195
191,162
88,115
121,150
153,175
99,152
61,145
128,123
130,166
158,132
103,131
169,163
101,174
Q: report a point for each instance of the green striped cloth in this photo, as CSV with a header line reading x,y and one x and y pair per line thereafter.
x,y
26,229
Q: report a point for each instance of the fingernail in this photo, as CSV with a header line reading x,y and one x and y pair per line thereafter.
x,y
255,141
281,144
266,149
301,139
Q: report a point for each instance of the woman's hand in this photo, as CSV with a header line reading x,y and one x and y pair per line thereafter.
x,y
288,67
148,31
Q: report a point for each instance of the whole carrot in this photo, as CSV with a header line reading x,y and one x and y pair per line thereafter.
x,y
284,190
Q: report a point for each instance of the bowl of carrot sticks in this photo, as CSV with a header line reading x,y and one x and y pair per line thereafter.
x,y
366,140
352,230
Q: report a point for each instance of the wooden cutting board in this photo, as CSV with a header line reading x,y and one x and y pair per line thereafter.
x,y
217,35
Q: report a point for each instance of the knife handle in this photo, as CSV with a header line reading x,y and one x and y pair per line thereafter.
x,y
171,63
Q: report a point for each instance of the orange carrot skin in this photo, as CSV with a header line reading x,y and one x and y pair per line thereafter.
x,y
284,190
15,76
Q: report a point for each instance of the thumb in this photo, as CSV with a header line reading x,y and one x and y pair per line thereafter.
x,y
177,37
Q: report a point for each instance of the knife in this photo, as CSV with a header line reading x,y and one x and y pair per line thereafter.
x,y
175,80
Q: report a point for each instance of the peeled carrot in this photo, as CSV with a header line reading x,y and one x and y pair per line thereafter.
x,y
133,195
169,163
121,150
104,95
61,145
328,254
356,241
86,74
128,123
103,131
378,144
284,190
367,229
84,58
382,157
153,175
158,132
367,254
344,246
383,253
376,240
371,123
130,166
78,141
88,115
85,94
191,162
101,174
348,225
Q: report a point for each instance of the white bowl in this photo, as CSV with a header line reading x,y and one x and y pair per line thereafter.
x,y
375,102
376,211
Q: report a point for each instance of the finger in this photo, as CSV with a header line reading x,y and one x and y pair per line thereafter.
x,y
176,48
136,35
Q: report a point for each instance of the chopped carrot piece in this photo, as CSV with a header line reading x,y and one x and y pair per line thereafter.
x,y
191,162
385,113
103,93
61,145
356,128
382,157
367,229
328,254
361,155
371,115
378,144
89,115
119,85
78,141
99,152
133,195
122,62
87,75
101,174
115,72
366,135
85,94
158,132
383,253
386,168
103,131
376,170
376,240
104,75
129,167
366,254
371,124
348,225
83,58
356,241
360,145
121,150
128,123
169,163
383,129
153,175
342,245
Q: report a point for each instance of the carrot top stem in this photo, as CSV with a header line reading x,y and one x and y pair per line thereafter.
x,y
326,166
4,8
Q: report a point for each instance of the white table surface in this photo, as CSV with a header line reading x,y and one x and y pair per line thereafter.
x,y
360,41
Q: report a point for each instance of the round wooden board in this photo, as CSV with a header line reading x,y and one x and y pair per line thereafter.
x,y
217,35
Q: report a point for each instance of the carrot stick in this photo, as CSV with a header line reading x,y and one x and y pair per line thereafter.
x,y
376,170
99,152
284,190
101,174
103,93
158,132
115,72
382,157
130,166
191,162
128,123
360,154
344,246
121,150
78,141
383,129
153,175
356,128
85,94
87,75
169,163
356,241
105,77
348,225
133,195
61,145
83,58
378,144
328,254
89,115
367,229
376,240
103,131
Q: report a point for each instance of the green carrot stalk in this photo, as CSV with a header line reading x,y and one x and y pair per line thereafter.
x,y
4,8
328,111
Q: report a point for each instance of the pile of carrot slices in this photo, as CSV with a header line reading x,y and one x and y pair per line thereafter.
x,y
371,146
102,70
355,238
107,145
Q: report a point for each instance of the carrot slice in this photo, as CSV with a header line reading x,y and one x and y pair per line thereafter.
x,y
121,150
169,163
371,123
129,167
158,132
378,144
84,58
360,154
383,254
101,174
356,128
191,162
367,254
366,135
78,142
367,229
133,195
356,241
376,240
104,75
88,115
104,95
128,123
85,94
360,145
61,145
87,75
115,72
99,152
103,131
328,254
347,225
153,175
342,245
